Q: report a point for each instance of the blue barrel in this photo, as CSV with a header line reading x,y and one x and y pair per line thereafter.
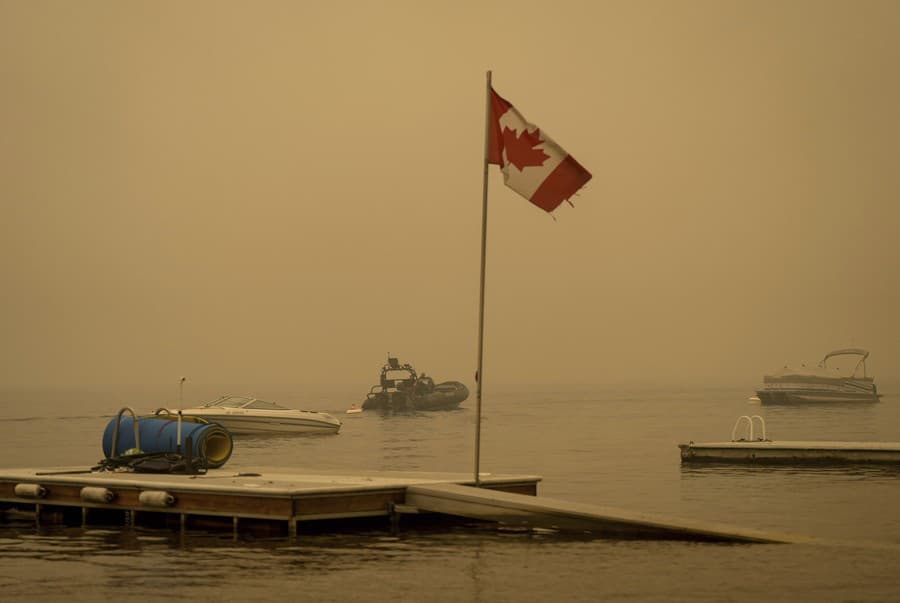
x,y
210,441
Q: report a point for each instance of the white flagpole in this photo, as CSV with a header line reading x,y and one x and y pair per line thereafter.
x,y
479,374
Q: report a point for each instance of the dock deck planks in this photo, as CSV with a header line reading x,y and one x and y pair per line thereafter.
x,y
290,497
260,493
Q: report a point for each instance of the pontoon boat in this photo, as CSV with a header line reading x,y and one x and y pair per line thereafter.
x,y
822,383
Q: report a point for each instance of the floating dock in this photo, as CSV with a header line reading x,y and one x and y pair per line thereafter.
x,y
288,502
273,495
752,449
767,451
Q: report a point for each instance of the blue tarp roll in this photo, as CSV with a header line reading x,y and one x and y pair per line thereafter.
x,y
210,441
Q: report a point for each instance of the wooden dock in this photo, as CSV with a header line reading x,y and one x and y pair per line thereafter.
x,y
290,501
787,452
267,494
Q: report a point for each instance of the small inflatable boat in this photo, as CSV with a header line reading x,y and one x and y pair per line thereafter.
x,y
402,389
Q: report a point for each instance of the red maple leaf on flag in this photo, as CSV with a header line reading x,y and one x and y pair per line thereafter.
x,y
521,151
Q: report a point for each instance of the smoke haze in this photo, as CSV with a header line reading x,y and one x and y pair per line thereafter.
x,y
287,191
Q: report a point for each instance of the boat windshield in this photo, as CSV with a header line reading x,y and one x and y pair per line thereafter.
x,y
263,405
399,374
244,402
230,402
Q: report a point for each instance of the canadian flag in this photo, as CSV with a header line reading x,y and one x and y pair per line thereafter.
x,y
533,165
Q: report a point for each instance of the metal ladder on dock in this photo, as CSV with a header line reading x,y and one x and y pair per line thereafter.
x,y
749,422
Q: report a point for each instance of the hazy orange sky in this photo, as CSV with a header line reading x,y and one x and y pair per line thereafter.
x,y
287,191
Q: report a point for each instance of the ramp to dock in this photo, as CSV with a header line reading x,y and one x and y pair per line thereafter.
x,y
532,511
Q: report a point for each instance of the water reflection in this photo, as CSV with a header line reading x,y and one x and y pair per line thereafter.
x,y
608,446
714,469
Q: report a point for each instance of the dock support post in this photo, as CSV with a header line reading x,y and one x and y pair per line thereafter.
x,y
37,515
84,515
394,513
182,520
292,528
234,528
395,510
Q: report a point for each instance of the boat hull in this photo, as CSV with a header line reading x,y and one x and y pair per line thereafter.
x,y
806,396
447,396
249,425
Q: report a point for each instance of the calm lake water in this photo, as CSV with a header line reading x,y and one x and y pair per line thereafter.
x,y
611,446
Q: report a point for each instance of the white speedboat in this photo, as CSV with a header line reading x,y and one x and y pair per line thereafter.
x,y
245,415
821,383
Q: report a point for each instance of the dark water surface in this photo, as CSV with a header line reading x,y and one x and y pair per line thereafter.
x,y
611,446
